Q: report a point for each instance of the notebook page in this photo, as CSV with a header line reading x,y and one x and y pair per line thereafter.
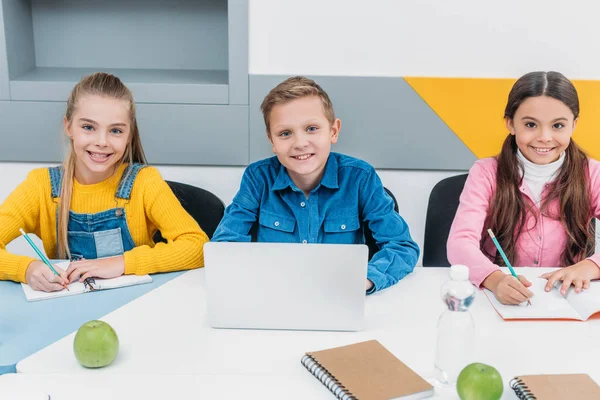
x,y
550,305
586,302
121,281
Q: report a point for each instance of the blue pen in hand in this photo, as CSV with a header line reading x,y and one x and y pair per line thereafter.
x,y
510,268
41,255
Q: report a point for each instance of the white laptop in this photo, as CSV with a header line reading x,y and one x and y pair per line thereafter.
x,y
286,285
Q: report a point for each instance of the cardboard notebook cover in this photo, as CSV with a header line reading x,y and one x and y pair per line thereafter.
x,y
550,387
370,372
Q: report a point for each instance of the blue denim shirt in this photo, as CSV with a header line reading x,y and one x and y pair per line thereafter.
x,y
349,196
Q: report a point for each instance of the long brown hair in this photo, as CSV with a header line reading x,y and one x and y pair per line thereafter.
x,y
99,84
508,215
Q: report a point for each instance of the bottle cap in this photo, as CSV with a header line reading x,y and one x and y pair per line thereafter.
x,y
459,272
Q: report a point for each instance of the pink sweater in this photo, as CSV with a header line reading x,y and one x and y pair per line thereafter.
x,y
540,245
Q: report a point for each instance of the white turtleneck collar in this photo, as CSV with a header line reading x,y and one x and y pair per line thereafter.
x,y
537,175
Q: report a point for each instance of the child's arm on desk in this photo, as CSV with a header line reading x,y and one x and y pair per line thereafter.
x,y
464,240
21,209
398,253
580,274
185,238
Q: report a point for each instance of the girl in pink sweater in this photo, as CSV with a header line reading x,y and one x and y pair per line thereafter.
x,y
539,196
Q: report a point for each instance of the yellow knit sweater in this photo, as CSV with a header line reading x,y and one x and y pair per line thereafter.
x,y
152,207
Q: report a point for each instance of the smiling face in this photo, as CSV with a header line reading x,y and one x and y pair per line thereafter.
x,y
301,136
99,130
542,127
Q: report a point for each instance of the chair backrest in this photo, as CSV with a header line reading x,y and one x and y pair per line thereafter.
x,y
206,208
443,203
369,241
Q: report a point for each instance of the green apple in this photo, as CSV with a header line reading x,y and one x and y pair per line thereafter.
x,y
479,382
96,344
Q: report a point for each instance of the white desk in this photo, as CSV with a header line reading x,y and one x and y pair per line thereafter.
x,y
155,387
165,332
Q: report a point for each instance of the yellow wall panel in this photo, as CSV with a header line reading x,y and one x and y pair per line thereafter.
x,y
473,108
587,133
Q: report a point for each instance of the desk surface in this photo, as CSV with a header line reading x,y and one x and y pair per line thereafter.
x,y
26,327
155,387
165,332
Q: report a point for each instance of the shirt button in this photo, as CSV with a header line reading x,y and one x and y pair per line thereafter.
x,y
343,227
546,185
303,204
536,262
539,237
304,241
276,223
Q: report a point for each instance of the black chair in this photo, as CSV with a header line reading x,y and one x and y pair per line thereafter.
x,y
369,241
441,209
206,208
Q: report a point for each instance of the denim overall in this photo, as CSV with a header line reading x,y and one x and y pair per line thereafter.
x,y
104,234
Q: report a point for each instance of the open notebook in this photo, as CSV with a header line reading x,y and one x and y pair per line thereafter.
x,y
87,286
550,305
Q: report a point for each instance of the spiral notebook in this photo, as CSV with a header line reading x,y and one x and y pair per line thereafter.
x,y
550,387
366,371
89,285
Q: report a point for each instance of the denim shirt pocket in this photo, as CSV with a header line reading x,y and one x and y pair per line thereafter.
x,y
341,223
276,222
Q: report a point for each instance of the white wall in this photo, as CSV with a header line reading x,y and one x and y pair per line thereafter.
x,y
411,189
462,38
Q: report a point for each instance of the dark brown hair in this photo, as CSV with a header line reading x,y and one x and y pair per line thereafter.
x,y
508,211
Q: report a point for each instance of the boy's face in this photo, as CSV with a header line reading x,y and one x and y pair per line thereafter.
x,y
301,137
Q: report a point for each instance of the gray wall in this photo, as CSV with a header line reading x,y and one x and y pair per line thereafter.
x,y
186,62
384,121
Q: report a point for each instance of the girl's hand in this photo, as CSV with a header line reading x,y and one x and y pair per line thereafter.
x,y
101,268
369,285
40,277
578,275
507,288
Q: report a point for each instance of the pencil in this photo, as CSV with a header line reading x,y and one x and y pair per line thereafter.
x,y
510,268
40,254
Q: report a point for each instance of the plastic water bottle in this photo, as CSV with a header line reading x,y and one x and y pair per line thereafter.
x,y
456,330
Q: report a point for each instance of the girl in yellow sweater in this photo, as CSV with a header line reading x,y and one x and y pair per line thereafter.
x,y
102,207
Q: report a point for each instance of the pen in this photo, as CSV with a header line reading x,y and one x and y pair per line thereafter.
x,y
510,268
40,254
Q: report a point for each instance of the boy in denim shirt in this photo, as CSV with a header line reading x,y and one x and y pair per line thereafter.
x,y
307,194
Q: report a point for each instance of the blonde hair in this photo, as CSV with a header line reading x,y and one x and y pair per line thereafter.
x,y
291,89
105,85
